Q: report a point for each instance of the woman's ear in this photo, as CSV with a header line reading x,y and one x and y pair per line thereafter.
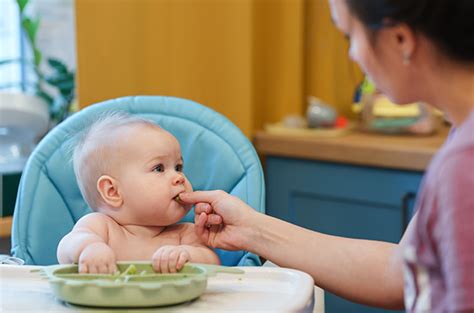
x,y
108,188
405,41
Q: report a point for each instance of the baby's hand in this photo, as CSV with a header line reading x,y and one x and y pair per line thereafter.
x,y
170,259
97,258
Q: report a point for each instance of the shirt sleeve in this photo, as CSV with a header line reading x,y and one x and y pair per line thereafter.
x,y
454,228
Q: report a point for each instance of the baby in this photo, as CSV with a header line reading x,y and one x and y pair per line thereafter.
x,y
130,171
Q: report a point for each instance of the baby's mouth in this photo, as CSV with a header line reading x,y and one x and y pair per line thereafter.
x,y
177,199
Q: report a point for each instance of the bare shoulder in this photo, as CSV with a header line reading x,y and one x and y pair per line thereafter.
x,y
93,218
96,222
187,234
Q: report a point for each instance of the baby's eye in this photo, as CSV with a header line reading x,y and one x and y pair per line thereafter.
x,y
179,167
159,168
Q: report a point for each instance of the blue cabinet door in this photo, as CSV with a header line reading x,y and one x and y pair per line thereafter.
x,y
344,200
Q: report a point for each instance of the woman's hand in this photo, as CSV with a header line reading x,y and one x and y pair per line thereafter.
x,y
221,220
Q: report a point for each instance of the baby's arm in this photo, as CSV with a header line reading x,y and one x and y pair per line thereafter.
x,y
191,249
87,245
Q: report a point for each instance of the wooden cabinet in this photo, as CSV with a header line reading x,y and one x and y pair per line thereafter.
x,y
344,200
340,199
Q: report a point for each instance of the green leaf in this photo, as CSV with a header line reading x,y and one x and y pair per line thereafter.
x,y
38,56
31,27
59,66
22,4
44,95
65,87
58,79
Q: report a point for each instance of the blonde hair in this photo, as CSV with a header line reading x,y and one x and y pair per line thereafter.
x,y
94,149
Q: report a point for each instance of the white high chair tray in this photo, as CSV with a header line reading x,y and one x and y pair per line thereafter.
x,y
259,289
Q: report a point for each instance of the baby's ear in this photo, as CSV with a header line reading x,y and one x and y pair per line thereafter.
x,y
108,188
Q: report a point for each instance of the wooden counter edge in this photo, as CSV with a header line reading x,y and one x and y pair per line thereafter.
x,y
340,151
5,226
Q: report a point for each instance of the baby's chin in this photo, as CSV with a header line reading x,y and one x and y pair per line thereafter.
x,y
187,207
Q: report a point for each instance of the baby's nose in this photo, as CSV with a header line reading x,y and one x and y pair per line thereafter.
x,y
178,179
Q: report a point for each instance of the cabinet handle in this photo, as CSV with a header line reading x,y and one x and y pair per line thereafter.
x,y
406,199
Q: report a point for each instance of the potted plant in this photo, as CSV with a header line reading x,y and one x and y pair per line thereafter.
x,y
56,89
25,116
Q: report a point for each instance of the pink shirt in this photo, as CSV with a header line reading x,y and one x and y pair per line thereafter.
x,y
439,254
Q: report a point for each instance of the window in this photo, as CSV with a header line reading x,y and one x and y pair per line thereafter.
x,y
10,45
55,38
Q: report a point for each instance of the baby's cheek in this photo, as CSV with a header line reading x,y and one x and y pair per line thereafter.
x,y
188,207
188,186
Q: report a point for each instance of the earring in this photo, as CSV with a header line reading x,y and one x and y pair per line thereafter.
x,y
406,59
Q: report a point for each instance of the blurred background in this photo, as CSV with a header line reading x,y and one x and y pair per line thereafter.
x,y
255,61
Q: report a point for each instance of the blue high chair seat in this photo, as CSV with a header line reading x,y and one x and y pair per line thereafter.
x,y
216,153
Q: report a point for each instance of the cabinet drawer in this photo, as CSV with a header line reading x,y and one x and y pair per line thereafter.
x,y
340,199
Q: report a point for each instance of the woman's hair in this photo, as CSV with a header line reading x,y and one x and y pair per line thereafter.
x,y
448,23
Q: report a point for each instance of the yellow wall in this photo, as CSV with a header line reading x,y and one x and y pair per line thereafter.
x,y
329,74
192,49
252,60
278,59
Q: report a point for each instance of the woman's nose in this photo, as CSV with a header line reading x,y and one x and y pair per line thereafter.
x,y
178,179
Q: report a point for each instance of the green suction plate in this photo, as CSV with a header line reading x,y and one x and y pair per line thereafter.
x,y
137,285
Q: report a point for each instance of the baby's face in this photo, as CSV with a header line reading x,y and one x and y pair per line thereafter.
x,y
150,175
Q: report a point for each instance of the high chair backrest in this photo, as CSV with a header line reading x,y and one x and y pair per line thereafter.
x,y
216,153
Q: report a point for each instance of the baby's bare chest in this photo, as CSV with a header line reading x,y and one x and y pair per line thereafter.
x,y
130,247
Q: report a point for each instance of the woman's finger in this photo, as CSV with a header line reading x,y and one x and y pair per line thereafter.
x,y
214,219
213,231
201,196
200,227
202,207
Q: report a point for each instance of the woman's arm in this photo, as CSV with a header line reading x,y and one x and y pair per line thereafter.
x,y
362,271
368,272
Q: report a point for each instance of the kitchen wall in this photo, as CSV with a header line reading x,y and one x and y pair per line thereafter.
x,y
255,61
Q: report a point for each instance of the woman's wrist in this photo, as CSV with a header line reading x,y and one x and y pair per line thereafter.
x,y
251,233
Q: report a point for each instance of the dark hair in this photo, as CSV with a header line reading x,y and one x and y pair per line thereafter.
x,y
448,23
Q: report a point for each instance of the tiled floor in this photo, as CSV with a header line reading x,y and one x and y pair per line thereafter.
x,y
5,245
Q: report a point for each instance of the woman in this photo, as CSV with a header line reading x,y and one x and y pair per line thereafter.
x,y
414,50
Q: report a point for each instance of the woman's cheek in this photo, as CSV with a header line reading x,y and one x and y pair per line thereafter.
x,y
358,55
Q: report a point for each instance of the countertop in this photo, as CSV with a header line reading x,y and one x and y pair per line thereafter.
x,y
405,152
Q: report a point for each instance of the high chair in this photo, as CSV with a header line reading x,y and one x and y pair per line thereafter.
x,y
216,153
